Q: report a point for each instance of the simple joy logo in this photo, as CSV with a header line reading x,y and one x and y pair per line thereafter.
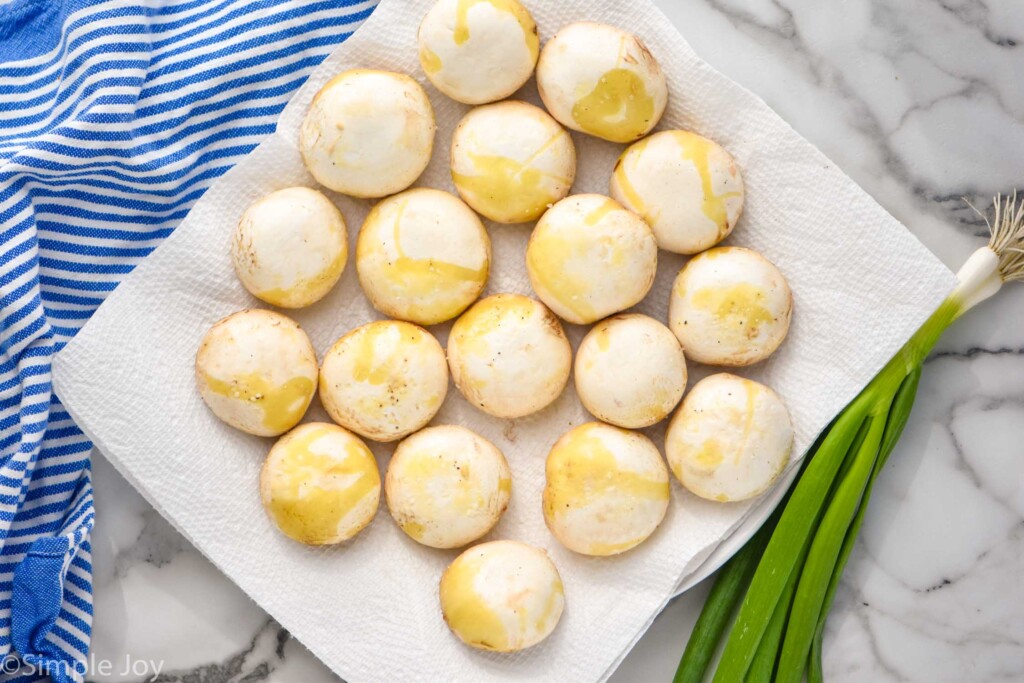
x,y
143,669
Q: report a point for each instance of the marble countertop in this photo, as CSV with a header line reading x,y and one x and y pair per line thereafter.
x,y
920,102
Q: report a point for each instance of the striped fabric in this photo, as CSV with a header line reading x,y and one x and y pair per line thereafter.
x,y
115,117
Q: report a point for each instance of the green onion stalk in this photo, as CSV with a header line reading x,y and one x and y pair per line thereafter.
x,y
784,579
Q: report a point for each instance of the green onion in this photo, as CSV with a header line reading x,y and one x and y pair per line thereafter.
x,y
777,632
729,587
727,590
762,667
898,415
799,519
821,560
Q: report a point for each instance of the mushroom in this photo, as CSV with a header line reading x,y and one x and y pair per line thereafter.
x,y
588,258
447,486
509,355
422,256
511,161
730,440
606,489
384,380
601,80
630,371
687,188
290,247
502,596
256,370
730,306
368,133
320,484
476,52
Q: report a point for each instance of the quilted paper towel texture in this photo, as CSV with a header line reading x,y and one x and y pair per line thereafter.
x,y
369,609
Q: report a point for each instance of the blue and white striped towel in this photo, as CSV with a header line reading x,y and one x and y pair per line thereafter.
x,y
115,117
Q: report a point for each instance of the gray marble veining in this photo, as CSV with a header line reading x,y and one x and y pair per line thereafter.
x,y
919,101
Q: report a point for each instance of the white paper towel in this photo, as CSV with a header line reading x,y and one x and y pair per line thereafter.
x,y
862,284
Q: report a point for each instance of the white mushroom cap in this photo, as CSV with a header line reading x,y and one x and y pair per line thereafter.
x,y
384,380
422,256
368,133
606,489
503,596
290,247
511,161
588,258
320,484
509,355
730,306
730,440
477,52
630,371
601,80
447,486
256,370
687,188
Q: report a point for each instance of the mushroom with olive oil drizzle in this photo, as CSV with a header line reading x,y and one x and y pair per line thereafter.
x,y
320,484
256,370
601,80
630,371
384,380
368,133
588,257
290,247
511,161
730,440
730,306
477,51
606,489
447,486
509,355
502,596
687,188
422,256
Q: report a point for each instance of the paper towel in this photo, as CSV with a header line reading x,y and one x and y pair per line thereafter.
x,y
369,609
